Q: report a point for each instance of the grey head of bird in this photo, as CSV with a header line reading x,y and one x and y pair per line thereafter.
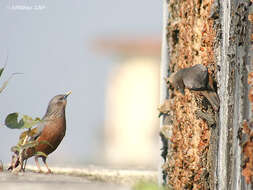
x,y
56,106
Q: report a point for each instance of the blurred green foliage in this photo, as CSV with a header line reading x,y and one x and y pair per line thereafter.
x,y
148,186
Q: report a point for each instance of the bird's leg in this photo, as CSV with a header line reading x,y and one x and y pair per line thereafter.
x,y
37,164
44,160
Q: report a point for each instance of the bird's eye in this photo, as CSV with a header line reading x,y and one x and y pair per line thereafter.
x,y
61,98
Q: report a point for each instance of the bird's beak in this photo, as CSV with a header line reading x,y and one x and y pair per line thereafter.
x,y
67,94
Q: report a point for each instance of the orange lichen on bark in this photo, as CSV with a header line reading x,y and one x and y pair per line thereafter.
x,y
247,147
250,17
190,141
191,39
247,171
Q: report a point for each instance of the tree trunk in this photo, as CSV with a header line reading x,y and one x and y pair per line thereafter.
x,y
198,154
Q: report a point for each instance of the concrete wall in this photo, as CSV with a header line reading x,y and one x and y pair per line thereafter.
x,y
131,113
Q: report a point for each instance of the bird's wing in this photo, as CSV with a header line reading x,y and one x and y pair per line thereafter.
x,y
38,130
196,77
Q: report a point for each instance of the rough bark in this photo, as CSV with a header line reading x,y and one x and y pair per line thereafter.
x,y
216,34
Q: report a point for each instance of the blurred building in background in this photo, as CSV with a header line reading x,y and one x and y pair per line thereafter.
x,y
132,97
55,41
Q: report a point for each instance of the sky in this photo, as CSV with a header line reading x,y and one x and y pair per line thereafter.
x,y
50,42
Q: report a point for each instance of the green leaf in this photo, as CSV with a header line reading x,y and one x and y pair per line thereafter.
x,y
30,122
40,154
12,121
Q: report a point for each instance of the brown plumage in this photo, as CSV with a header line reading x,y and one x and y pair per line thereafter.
x,y
196,78
51,130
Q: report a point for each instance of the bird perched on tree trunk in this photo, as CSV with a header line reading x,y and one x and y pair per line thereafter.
x,y
195,78
51,130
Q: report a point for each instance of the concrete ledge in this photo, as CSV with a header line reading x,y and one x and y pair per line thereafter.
x,y
118,176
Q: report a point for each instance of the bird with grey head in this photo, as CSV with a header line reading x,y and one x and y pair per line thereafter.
x,y
51,130
195,78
